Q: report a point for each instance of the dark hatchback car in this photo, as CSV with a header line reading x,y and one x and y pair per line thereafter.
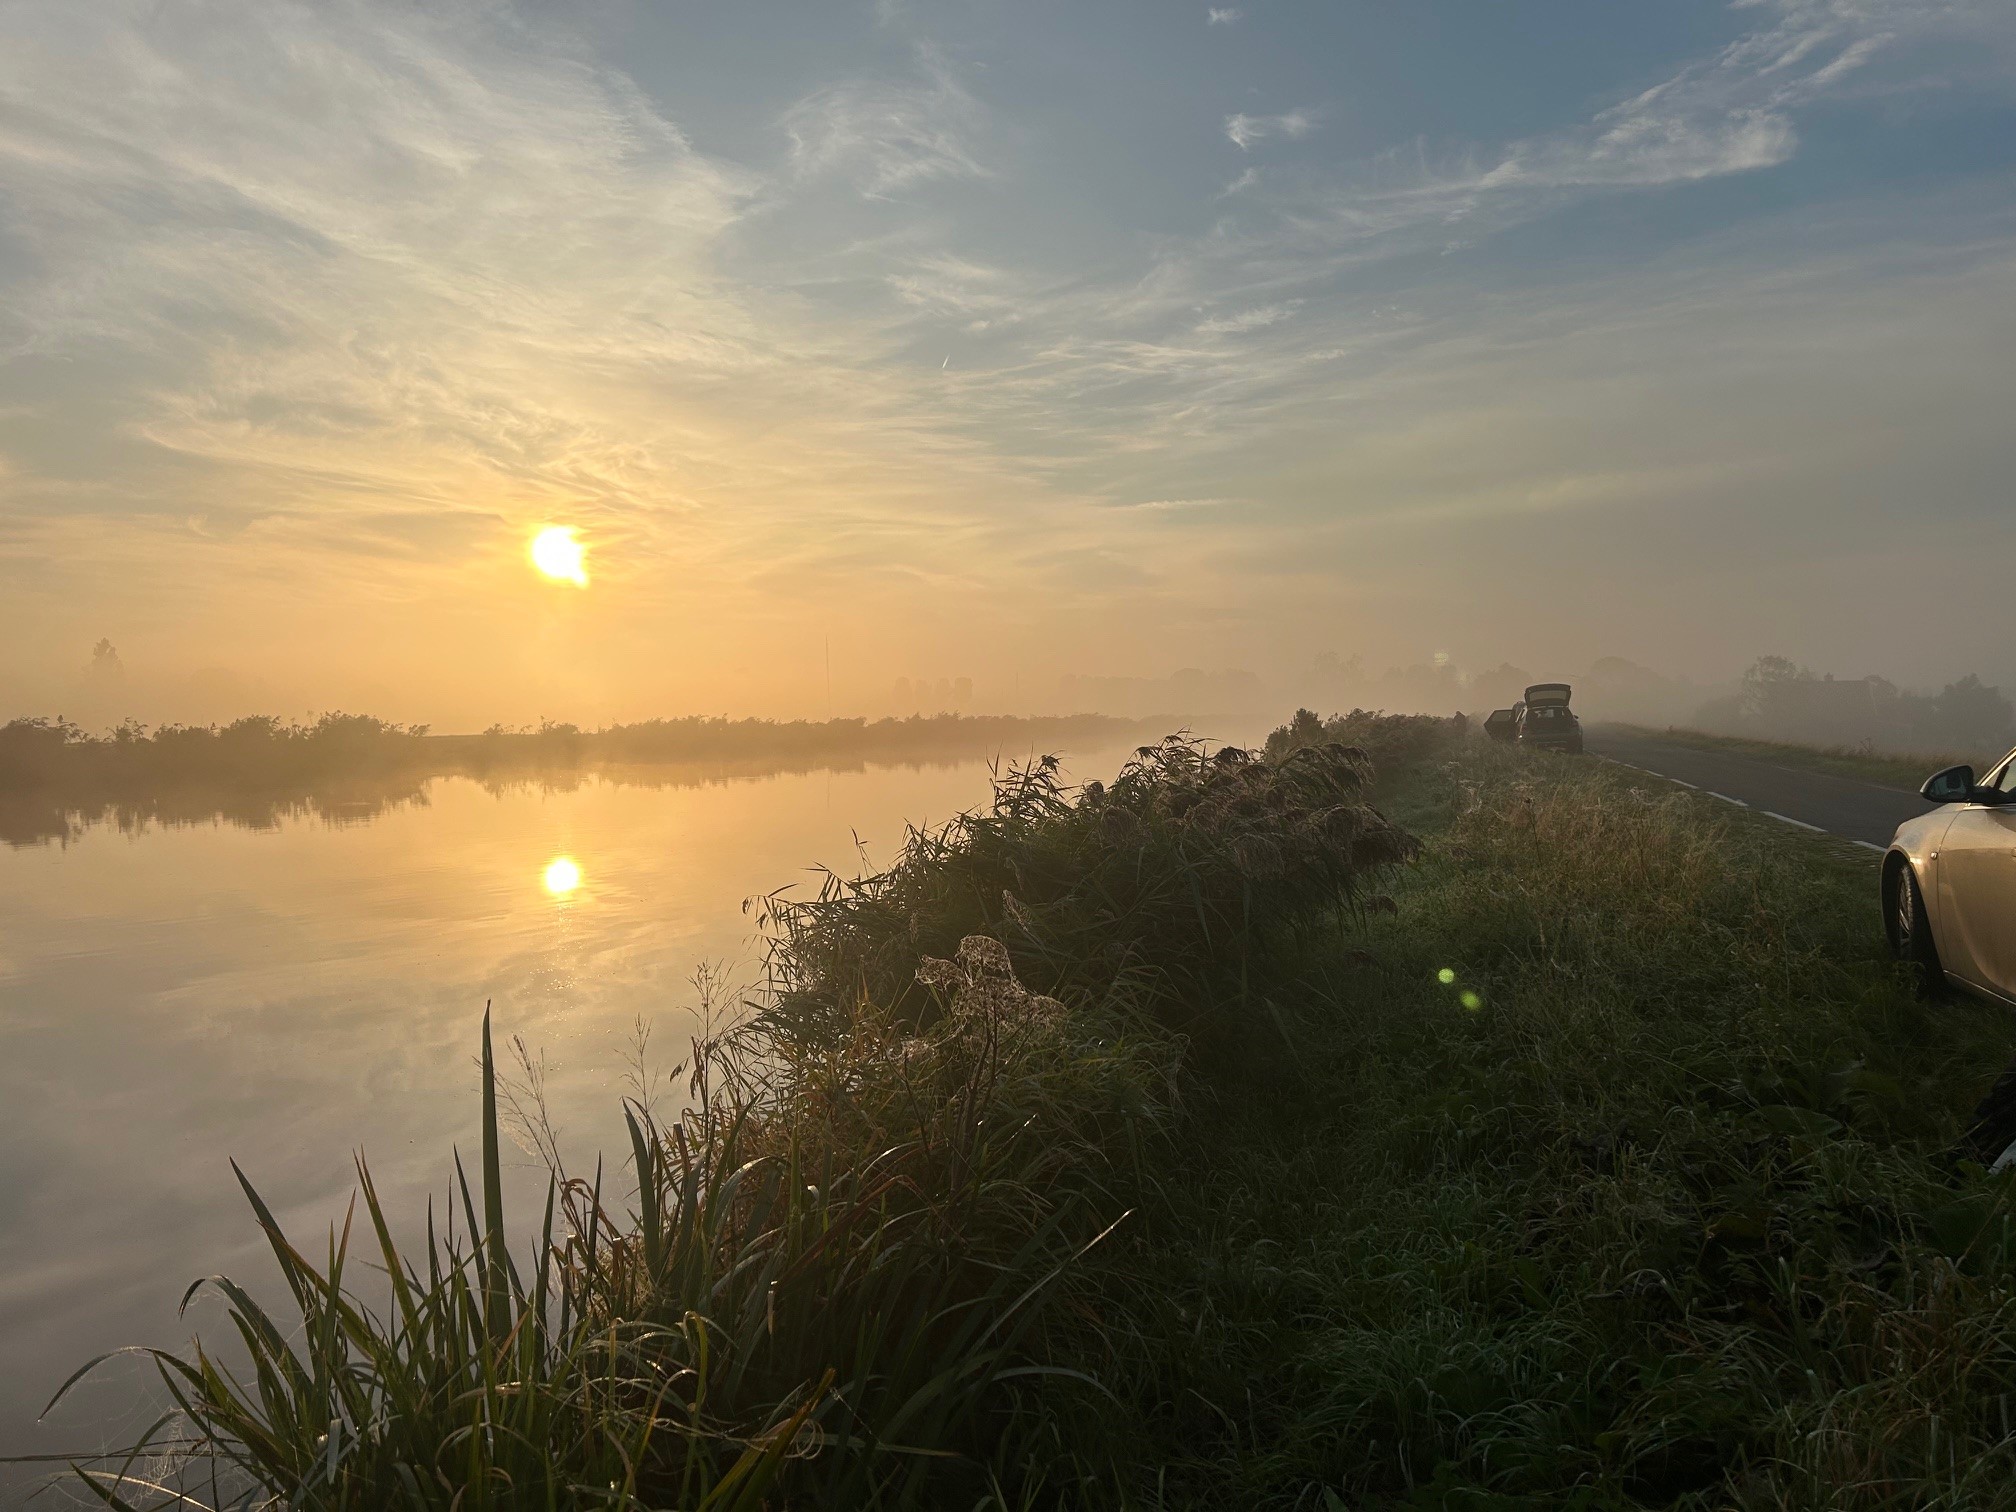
x,y
1546,722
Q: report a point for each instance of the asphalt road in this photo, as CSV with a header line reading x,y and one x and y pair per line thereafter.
x,y
1866,812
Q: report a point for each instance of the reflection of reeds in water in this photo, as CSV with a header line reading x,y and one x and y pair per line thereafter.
x,y
57,782
36,819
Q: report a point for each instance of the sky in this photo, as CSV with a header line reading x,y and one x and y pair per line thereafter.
x,y
996,340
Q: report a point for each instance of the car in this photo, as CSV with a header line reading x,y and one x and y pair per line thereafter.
x,y
1502,724
1949,883
1545,720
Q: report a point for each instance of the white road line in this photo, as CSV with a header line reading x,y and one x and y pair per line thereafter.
x,y
1768,813
1788,819
1648,771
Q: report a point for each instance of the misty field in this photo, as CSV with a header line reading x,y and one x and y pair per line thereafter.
x,y
1387,1119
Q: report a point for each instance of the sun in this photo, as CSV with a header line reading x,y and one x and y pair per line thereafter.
x,y
558,552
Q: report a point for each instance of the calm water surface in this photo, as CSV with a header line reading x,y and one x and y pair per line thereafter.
x,y
178,997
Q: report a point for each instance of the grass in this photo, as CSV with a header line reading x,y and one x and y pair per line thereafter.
x,y
1906,771
1616,1177
1155,1146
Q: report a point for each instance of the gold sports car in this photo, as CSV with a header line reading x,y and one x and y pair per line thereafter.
x,y
1949,882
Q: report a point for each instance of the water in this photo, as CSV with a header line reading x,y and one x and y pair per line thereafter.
x,y
175,997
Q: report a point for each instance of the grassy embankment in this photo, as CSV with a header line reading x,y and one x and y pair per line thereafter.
x,y
1907,771
1664,1219
1605,1168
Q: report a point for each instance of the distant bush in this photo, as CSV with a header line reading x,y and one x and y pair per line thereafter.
x,y
1168,876
55,778
1780,700
54,753
1391,742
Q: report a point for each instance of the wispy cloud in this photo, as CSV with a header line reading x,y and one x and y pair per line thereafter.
x,y
1222,15
956,288
1734,111
1245,130
888,136
1247,320
1729,113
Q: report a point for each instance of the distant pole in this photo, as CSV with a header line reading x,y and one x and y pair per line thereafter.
x,y
829,679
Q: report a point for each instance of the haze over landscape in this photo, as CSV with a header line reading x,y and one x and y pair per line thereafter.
x,y
855,755
1000,343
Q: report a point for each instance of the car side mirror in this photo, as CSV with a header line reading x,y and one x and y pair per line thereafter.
x,y
1950,786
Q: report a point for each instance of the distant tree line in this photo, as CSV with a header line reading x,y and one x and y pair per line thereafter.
x,y
260,749
55,777
1781,700
705,738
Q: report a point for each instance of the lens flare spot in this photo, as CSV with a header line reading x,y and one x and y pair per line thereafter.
x,y
1446,976
563,875
558,553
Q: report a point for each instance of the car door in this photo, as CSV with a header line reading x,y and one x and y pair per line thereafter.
x,y
1977,889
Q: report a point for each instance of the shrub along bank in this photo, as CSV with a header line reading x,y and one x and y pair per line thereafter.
x,y
1163,1145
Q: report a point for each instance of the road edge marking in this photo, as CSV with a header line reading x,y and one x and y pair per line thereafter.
x,y
1663,777
1768,813
1788,819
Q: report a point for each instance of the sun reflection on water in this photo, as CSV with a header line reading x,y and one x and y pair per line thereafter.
x,y
563,875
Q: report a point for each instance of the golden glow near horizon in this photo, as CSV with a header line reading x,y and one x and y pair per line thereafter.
x,y
562,876
558,553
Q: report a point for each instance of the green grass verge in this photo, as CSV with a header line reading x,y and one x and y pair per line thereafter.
x,y
1907,771
1610,1174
